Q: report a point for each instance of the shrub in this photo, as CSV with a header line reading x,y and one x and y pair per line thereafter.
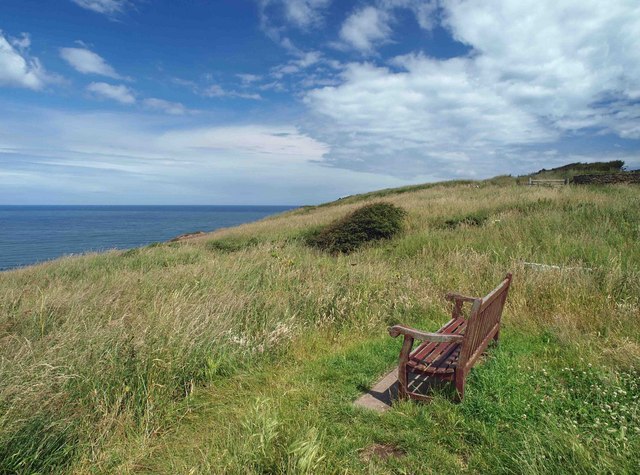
x,y
369,223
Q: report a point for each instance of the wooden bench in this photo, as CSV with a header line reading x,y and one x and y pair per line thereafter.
x,y
449,354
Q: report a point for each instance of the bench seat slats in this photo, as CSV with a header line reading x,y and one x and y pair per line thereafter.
x,y
438,358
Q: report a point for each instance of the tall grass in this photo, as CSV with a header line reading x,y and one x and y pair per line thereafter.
x,y
242,351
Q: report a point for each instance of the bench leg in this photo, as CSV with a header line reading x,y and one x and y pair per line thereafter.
x,y
402,383
459,381
496,337
403,380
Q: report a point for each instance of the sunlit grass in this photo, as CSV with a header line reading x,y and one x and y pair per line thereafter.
x,y
242,351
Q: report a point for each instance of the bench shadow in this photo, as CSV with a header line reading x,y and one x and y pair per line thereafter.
x,y
418,383
387,396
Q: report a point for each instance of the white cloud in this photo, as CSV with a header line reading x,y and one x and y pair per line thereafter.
x,y
304,13
300,13
119,93
106,7
308,58
17,68
425,11
365,28
431,116
537,72
428,103
22,43
216,90
555,61
303,61
281,144
173,108
88,62
125,158
248,78
370,25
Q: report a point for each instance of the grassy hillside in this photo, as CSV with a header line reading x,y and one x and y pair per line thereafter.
x,y
572,169
242,351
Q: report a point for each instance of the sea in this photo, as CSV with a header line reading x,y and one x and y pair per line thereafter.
x,y
32,234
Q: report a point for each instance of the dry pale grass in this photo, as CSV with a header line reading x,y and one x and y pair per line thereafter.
x,y
98,353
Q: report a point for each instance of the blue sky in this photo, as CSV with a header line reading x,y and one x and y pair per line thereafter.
x,y
303,101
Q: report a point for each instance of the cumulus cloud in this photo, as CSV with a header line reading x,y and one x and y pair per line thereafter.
x,y
106,7
87,62
17,68
555,62
428,103
119,93
365,28
536,73
430,115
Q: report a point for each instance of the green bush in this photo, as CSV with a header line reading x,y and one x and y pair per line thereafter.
x,y
369,223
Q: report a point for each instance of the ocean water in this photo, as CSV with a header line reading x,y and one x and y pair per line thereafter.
x,y
31,234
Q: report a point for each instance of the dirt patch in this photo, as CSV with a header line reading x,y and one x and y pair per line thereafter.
x,y
381,451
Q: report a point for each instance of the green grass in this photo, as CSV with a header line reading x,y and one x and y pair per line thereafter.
x,y
231,244
242,351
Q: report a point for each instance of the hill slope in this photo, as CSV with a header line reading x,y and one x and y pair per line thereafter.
x,y
572,169
242,351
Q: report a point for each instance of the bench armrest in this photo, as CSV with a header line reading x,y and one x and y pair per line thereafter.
x,y
452,297
396,330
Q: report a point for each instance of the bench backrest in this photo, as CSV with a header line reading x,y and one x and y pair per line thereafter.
x,y
483,323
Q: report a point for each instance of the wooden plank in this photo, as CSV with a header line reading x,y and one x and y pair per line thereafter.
x,y
440,352
451,328
469,332
483,346
439,337
486,301
445,363
452,296
431,357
